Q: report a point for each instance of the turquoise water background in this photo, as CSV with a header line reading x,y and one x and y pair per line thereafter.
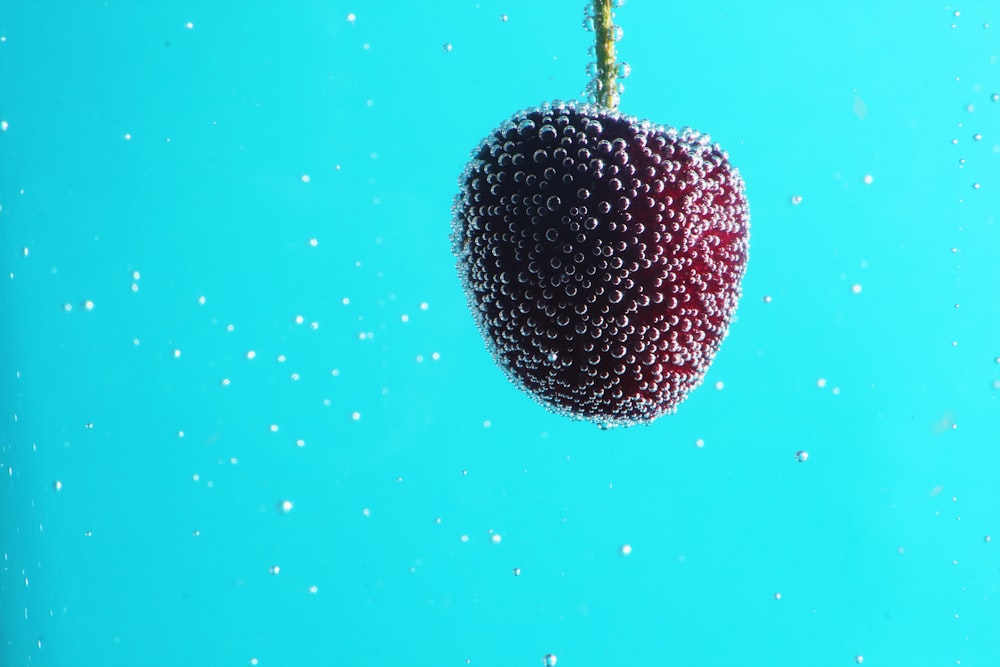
x,y
247,418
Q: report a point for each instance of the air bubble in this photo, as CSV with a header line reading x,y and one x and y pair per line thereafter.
x,y
547,133
802,456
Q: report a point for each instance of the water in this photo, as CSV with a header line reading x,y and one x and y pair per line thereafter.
x,y
247,418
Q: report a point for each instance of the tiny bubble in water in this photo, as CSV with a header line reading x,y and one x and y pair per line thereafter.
x,y
626,549
285,506
802,456
550,660
796,200
274,569
57,485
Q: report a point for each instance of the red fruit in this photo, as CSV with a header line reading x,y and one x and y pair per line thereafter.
x,y
602,258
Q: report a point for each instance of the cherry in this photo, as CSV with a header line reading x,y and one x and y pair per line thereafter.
x,y
601,255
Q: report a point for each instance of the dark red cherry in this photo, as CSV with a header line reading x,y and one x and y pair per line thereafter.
x,y
602,258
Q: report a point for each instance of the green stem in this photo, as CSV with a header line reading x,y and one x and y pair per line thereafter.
x,y
607,68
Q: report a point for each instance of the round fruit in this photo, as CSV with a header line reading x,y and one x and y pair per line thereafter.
x,y
602,257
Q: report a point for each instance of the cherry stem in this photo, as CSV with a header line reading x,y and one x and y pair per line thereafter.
x,y
607,69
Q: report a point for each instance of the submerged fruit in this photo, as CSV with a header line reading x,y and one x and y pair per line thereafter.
x,y
602,257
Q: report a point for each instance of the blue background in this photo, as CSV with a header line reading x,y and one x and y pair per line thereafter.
x,y
135,145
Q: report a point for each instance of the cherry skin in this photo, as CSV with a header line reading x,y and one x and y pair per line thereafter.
x,y
601,257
